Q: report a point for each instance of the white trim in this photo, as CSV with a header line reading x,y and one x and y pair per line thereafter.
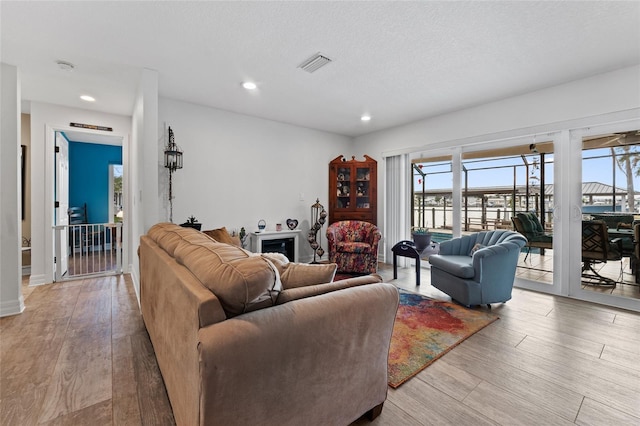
x,y
110,191
136,282
12,307
456,196
37,280
50,130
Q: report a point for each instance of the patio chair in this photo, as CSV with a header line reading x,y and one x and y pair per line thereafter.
x,y
596,249
82,234
527,224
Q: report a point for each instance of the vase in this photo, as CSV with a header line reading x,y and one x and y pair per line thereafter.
x,y
422,241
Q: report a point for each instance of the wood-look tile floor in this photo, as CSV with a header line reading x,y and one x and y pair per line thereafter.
x,y
79,355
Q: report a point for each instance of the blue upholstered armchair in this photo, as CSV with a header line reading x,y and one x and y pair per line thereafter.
x,y
479,268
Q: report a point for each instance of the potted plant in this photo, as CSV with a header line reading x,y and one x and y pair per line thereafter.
x,y
192,222
421,237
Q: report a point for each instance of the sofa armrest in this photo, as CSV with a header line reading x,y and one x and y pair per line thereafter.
x,y
290,294
175,305
489,262
318,360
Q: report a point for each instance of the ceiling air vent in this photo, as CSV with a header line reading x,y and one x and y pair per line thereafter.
x,y
315,62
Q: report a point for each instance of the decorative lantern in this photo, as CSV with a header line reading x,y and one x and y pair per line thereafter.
x,y
173,162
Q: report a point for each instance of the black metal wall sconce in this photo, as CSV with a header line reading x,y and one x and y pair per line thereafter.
x,y
173,162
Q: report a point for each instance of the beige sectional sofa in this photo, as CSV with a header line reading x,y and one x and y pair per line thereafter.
x,y
246,339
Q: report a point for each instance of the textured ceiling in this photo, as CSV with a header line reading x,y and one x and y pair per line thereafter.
x,y
397,61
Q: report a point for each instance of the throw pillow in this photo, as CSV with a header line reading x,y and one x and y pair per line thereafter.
x,y
302,274
221,235
279,260
476,248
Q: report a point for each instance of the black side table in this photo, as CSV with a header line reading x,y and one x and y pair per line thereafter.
x,y
406,248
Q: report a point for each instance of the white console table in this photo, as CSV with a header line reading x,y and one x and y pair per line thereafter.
x,y
258,238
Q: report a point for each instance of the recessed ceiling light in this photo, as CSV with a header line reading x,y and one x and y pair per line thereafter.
x,y
249,85
87,98
365,118
66,66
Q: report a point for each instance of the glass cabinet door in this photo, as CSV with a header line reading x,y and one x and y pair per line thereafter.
x,y
362,182
344,188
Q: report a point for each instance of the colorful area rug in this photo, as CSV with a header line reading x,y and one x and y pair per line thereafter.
x,y
425,329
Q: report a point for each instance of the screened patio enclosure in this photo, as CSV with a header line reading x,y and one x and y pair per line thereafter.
x,y
497,184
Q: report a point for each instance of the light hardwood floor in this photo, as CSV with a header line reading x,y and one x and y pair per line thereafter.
x,y
80,355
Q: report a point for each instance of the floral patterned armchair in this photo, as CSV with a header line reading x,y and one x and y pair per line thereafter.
x,y
353,246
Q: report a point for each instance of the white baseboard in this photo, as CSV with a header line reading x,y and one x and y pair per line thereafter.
x,y
11,307
136,282
36,280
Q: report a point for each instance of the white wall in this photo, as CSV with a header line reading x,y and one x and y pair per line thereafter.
x,y
11,301
142,182
578,103
56,117
240,169
605,93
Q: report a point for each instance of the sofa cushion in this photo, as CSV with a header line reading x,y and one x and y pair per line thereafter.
x,y
241,281
289,294
279,260
542,238
159,229
168,236
530,223
458,265
301,274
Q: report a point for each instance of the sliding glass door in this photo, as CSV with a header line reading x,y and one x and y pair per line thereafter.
x,y
563,180
610,216
502,184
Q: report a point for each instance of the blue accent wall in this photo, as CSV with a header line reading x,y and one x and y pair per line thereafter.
x,y
89,177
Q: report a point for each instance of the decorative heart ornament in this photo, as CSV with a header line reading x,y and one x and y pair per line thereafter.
x,y
292,223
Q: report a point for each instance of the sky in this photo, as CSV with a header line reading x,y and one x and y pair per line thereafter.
x,y
593,170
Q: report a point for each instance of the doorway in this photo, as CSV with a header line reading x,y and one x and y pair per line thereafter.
x,y
91,244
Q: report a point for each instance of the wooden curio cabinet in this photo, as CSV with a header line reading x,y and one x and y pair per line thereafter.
x,y
353,188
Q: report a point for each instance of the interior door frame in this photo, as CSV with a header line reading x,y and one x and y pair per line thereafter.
x,y
61,195
48,215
